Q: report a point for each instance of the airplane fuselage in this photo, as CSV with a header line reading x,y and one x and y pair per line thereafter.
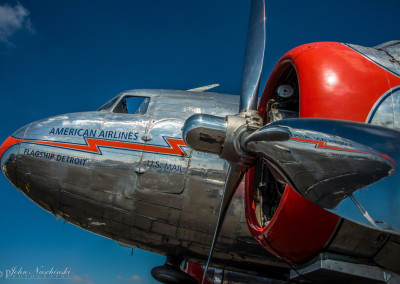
x,y
131,178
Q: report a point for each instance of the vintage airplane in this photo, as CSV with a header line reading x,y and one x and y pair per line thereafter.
x,y
300,186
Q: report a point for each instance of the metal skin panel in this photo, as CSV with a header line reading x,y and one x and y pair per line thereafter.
x,y
386,56
366,243
221,276
341,270
173,167
337,88
98,171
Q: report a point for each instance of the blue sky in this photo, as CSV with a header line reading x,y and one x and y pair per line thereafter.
x,y
67,56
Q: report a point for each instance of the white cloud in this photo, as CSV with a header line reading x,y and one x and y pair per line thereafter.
x,y
81,278
136,278
133,278
13,19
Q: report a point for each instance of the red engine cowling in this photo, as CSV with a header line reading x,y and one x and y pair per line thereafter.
x,y
332,81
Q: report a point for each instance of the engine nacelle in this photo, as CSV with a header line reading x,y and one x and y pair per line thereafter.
x,y
318,80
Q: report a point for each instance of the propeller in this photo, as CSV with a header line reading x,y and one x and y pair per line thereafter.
x,y
324,160
218,135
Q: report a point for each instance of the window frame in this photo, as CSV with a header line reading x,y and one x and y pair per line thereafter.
x,y
118,100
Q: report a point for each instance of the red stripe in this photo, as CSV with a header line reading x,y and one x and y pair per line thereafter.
x,y
321,144
7,144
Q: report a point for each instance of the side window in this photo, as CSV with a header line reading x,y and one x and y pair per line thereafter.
x,y
132,105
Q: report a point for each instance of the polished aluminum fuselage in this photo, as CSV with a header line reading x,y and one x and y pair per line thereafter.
x,y
130,178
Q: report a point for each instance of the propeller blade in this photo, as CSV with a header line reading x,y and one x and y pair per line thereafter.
x,y
254,56
231,183
328,161
222,136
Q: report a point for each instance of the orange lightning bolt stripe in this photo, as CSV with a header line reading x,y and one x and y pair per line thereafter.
x,y
93,145
322,145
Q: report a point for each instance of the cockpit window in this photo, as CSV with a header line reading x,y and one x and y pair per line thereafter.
x,y
108,104
132,105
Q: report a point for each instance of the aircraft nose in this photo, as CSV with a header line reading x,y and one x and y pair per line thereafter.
x,y
8,158
9,152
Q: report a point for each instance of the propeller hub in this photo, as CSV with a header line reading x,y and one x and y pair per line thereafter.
x,y
223,136
238,127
